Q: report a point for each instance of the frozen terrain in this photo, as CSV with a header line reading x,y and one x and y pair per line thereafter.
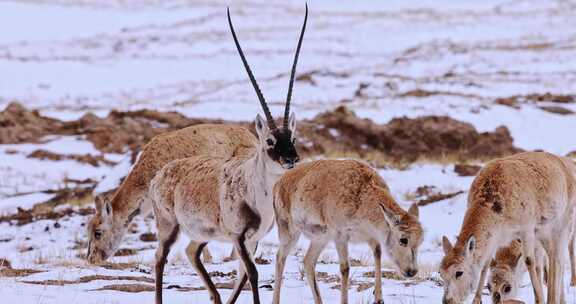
x,y
382,59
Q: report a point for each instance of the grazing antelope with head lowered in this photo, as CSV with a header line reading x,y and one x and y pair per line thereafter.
x,y
530,196
226,199
108,226
342,201
506,272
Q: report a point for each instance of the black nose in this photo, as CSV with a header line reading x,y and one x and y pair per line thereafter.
x,y
496,298
291,161
411,272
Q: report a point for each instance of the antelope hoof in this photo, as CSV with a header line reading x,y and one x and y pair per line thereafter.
x,y
379,302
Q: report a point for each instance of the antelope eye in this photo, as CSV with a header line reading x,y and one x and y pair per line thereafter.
x,y
458,274
404,242
270,142
97,234
507,289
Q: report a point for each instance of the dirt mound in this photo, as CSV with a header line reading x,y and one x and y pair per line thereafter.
x,y
117,132
17,124
404,139
334,133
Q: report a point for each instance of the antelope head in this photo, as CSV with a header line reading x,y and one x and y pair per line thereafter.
x,y
502,283
278,144
404,239
104,235
458,270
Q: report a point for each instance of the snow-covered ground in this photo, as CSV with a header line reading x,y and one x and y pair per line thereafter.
x,y
67,57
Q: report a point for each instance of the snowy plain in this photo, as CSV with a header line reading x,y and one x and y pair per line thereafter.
x,y
66,58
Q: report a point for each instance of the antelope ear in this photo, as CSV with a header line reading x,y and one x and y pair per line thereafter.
x,y
470,246
446,245
98,203
414,210
391,218
261,127
292,123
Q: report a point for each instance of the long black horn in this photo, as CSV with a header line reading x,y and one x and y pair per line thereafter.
x,y
269,117
291,84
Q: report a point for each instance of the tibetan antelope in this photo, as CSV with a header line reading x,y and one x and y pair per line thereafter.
x,y
528,196
108,225
506,273
342,201
225,199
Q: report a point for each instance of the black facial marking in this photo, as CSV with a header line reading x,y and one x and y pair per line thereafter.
x,y
131,216
497,207
283,150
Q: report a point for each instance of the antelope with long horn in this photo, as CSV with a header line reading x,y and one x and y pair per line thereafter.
x,y
226,199
528,196
342,201
108,226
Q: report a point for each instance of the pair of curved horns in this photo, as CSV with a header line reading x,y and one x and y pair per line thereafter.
x,y
269,118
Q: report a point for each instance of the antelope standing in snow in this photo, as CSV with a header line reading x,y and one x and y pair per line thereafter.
x,y
506,273
342,201
530,196
108,226
225,199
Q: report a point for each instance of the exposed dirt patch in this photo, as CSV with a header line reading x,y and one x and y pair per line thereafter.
x,y
389,275
90,278
13,272
508,101
557,110
120,266
262,261
219,274
17,125
425,195
466,170
549,97
134,288
126,252
516,100
92,160
219,285
148,237
26,216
